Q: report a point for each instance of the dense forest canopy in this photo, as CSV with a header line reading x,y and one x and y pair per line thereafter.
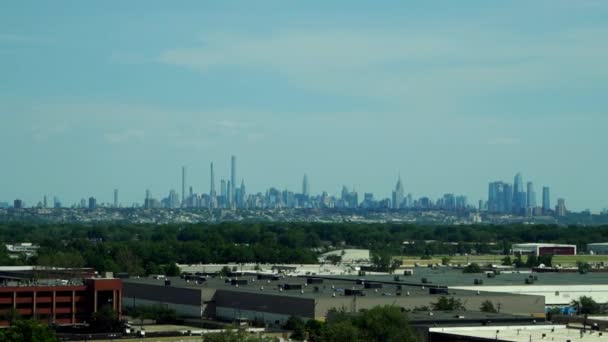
x,y
146,249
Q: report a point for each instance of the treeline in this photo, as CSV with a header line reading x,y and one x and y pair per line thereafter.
x,y
147,249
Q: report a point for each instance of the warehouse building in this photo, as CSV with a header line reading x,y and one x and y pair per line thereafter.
x,y
273,299
539,249
598,248
556,288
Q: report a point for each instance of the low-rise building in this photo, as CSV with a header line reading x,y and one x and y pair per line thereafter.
x,y
539,249
272,299
598,248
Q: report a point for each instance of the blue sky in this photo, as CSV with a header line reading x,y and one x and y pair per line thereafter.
x,y
451,94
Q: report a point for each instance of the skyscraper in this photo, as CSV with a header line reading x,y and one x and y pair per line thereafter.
x,y
115,198
230,193
546,200
45,203
531,199
233,177
92,203
305,186
518,190
560,209
183,185
398,194
212,185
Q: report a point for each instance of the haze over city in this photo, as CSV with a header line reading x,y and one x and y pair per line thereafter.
x,y
108,95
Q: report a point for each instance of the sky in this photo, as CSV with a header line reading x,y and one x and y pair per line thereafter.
x,y
448,94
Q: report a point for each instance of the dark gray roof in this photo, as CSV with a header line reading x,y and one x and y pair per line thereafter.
x,y
445,276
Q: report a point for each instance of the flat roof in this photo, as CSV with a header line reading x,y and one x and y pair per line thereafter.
x,y
446,276
524,333
325,290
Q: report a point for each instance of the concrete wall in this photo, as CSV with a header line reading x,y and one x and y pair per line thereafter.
x,y
180,309
183,300
261,302
271,318
554,294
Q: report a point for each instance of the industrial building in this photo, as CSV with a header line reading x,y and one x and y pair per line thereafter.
x,y
539,249
556,288
65,301
272,299
598,248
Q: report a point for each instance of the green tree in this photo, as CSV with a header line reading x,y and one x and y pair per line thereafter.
x,y
532,261
297,327
385,323
172,270
344,331
445,261
472,268
506,261
518,262
381,261
28,331
587,306
546,260
488,306
448,304
583,267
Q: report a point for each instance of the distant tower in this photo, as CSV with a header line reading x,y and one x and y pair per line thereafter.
x,y
531,199
398,194
519,197
18,204
115,198
92,203
546,199
45,202
305,186
230,192
233,177
183,185
561,207
212,185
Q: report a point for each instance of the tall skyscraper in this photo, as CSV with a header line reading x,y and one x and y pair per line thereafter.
x,y
398,194
183,185
305,186
546,200
212,185
560,209
230,193
45,202
92,203
531,199
518,190
223,193
233,176
115,198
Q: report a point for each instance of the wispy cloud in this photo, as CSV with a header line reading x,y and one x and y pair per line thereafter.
x,y
407,66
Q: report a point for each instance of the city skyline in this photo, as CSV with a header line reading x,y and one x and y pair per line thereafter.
x,y
452,95
502,197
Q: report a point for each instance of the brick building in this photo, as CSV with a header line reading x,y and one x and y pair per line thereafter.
x,y
61,304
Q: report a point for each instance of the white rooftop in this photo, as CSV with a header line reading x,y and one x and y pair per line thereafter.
x,y
557,333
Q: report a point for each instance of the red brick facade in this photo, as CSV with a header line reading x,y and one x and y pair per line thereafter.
x,y
62,305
